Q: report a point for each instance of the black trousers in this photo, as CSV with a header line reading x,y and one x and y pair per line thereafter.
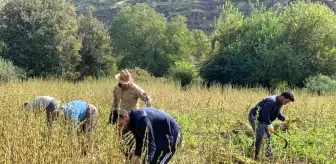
x,y
260,129
160,156
49,109
164,157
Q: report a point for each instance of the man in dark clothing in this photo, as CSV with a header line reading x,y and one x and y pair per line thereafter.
x,y
262,116
158,129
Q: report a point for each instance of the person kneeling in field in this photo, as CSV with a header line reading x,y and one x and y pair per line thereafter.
x,y
47,103
262,116
160,131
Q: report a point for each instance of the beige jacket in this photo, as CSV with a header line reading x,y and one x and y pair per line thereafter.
x,y
128,98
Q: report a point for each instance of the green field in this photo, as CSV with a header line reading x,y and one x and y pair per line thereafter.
x,y
207,118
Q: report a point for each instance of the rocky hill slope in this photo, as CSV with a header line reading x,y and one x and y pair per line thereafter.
x,y
200,13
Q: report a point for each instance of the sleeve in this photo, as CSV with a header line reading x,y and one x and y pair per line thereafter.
x,y
266,109
143,96
115,106
35,104
113,117
115,103
74,118
145,131
69,114
49,119
281,117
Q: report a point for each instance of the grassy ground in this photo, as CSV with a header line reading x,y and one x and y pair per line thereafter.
x,y
206,117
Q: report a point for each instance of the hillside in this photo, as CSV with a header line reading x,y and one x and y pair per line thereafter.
x,y
200,13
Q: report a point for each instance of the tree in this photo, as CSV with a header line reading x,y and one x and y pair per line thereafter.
x,y
183,72
270,47
40,36
9,72
310,33
181,42
225,65
202,46
138,33
320,84
2,48
96,52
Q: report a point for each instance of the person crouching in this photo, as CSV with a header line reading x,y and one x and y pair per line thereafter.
x,y
160,131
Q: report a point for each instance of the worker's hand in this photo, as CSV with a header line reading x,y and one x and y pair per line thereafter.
x,y
270,128
135,160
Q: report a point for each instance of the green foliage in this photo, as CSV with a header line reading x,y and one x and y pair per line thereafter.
x,y
310,34
269,47
144,39
275,47
138,34
140,74
181,42
40,36
202,46
246,48
320,84
229,24
2,48
96,51
183,72
9,72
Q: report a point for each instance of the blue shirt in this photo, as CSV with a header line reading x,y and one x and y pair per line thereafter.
x,y
76,110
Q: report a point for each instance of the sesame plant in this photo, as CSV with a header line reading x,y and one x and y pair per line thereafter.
x,y
214,124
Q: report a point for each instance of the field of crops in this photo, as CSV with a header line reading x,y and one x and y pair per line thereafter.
x,y
213,121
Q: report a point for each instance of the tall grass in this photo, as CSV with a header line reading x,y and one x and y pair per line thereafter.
x,y
207,118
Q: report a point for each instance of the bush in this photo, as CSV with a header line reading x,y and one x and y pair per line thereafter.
x,y
267,45
9,72
140,74
183,72
41,37
320,84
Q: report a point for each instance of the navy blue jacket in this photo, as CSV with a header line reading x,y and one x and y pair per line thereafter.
x,y
269,110
162,130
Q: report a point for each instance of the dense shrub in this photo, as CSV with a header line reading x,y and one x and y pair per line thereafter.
x,y
140,74
271,46
320,84
9,72
183,72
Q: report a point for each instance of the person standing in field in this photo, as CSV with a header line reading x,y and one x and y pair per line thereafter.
x,y
47,103
153,128
263,114
125,96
